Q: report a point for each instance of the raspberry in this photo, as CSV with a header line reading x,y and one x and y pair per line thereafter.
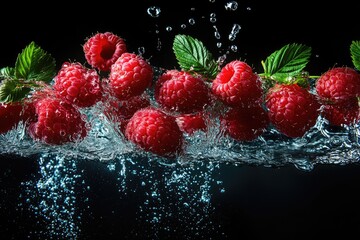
x,y
103,49
78,84
244,123
236,84
343,113
130,76
192,122
155,131
338,84
179,91
57,122
11,114
120,111
293,110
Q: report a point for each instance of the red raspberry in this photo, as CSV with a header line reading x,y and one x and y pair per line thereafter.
x,y
192,122
236,84
78,84
293,110
11,114
120,111
103,49
57,122
155,131
130,76
338,84
182,92
343,113
244,123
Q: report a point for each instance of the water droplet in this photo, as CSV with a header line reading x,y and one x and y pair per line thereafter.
x,y
212,1
212,17
231,6
183,26
191,21
168,28
234,48
234,31
217,34
141,50
154,11
219,44
248,8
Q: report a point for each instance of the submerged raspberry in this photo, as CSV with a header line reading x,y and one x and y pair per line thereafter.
x,y
155,131
57,122
244,123
103,49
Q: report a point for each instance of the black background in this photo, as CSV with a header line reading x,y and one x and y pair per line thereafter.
x,y
259,202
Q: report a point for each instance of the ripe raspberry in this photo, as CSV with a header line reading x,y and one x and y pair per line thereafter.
x,y
236,84
244,123
78,84
293,110
57,122
338,84
130,76
155,131
343,113
11,114
103,49
120,111
182,92
192,122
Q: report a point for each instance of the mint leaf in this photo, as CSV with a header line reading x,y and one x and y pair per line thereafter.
x,y
287,63
355,53
192,56
33,63
11,91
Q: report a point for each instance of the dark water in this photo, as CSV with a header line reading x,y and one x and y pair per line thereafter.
x,y
307,192
226,202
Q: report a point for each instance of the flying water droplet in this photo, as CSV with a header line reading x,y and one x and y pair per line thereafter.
x,y
234,31
231,6
154,11
213,17
191,21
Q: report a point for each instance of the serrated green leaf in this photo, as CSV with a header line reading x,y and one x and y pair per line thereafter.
x,y
33,63
7,72
355,54
12,91
287,62
193,56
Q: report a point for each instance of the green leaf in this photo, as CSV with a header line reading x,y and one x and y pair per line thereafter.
x,y
287,63
355,53
11,91
33,63
192,56
7,72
